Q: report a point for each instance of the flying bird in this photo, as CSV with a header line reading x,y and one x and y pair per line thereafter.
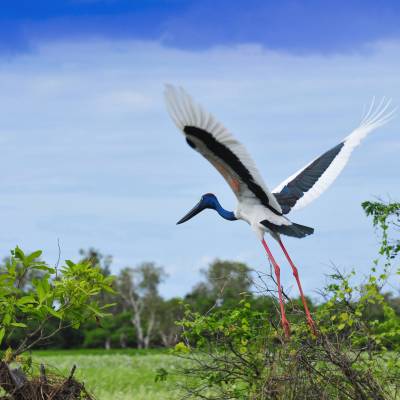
x,y
264,210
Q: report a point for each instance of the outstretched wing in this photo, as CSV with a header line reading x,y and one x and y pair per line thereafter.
x,y
211,139
310,182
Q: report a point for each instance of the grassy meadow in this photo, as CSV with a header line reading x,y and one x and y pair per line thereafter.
x,y
116,374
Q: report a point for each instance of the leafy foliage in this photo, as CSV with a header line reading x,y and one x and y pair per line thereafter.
x,y
239,352
66,294
361,314
386,217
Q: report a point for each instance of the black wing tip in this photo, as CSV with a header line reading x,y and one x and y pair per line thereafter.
x,y
306,179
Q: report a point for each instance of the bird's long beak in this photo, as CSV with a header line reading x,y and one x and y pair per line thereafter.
x,y
199,207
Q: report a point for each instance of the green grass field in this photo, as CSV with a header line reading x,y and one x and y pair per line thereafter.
x,y
116,374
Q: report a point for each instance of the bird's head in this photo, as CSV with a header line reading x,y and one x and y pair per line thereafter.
x,y
208,200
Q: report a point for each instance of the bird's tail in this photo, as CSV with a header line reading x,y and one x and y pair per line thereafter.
x,y
296,230
293,230
299,231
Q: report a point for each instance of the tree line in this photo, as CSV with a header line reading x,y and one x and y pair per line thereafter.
x,y
138,316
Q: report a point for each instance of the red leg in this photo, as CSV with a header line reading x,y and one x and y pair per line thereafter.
x,y
296,275
285,323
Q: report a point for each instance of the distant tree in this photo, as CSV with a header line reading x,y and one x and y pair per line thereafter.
x,y
394,302
97,259
169,312
100,335
138,288
114,331
122,335
227,279
224,281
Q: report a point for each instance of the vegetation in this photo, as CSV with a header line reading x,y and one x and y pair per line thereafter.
x,y
31,295
138,288
141,318
241,353
227,340
127,374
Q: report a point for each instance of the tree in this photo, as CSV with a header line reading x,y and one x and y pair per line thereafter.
x,y
114,331
224,281
97,260
138,288
101,335
169,312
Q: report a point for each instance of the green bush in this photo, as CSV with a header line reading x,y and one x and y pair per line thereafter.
x,y
51,300
240,352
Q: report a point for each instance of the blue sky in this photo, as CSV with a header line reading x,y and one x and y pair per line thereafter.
x,y
90,156
301,26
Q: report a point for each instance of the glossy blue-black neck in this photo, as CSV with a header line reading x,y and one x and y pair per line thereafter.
x,y
210,201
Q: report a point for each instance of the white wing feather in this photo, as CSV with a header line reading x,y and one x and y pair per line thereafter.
x,y
374,118
185,112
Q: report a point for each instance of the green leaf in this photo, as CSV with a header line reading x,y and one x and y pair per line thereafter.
x,y
161,375
34,255
18,253
44,267
69,263
2,333
55,313
181,348
19,324
6,319
344,317
108,305
26,300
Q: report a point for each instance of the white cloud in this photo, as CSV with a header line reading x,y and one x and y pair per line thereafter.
x,y
89,154
122,101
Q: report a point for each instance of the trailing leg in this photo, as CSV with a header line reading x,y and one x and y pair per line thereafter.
x,y
303,299
284,321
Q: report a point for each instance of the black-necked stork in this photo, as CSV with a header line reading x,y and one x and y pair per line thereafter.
x,y
262,209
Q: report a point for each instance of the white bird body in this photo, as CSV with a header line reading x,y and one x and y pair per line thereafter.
x,y
252,212
262,209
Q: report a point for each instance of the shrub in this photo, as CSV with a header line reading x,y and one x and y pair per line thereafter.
x,y
241,352
37,302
